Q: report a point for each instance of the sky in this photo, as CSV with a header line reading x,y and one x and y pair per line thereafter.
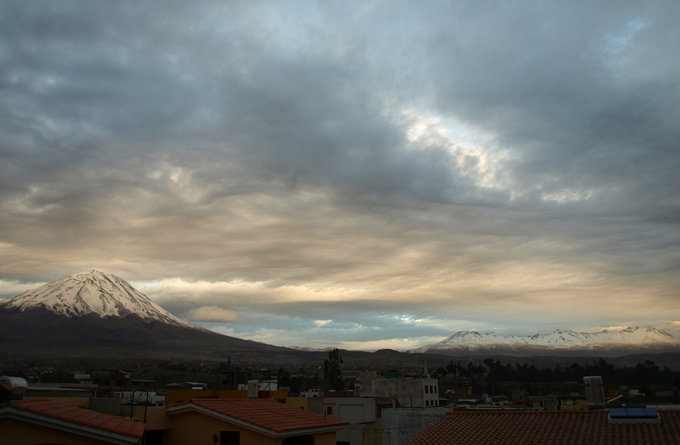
x,y
362,175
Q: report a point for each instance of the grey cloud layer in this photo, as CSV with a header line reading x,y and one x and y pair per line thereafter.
x,y
270,144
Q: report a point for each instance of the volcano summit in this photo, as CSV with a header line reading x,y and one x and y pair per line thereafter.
x,y
92,293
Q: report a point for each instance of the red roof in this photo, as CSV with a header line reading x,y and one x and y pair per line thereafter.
x,y
546,427
81,416
264,413
6,386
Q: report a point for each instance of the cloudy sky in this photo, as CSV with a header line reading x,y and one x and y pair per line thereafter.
x,y
356,174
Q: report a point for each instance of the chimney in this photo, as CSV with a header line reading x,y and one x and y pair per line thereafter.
x,y
594,392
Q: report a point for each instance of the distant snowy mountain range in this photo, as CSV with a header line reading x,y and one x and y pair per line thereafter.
x,y
631,337
92,292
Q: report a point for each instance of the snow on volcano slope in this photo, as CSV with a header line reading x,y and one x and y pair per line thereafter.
x,y
92,292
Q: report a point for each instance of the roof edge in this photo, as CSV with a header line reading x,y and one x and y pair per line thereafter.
x,y
10,412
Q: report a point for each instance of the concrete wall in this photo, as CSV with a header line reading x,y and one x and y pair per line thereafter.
x,y
188,428
82,402
352,434
109,405
298,402
360,412
373,433
399,425
355,409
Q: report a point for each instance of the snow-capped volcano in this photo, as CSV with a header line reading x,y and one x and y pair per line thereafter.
x,y
93,314
92,292
562,340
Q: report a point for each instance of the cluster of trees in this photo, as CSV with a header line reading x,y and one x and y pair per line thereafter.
x,y
331,378
491,370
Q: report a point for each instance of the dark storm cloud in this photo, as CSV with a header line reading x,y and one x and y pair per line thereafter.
x,y
585,96
361,160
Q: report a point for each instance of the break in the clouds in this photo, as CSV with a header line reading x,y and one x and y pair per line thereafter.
x,y
361,173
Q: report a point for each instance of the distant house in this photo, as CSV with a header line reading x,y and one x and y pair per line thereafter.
x,y
546,427
247,421
45,421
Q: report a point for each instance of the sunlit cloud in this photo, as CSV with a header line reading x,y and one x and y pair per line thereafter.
x,y
11,288
213,314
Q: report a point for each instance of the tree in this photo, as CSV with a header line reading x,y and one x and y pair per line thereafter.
x,y
332,374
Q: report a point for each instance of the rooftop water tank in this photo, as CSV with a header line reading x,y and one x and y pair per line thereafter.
x,y
17,382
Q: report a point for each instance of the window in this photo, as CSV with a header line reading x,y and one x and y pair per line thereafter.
x,y
329,410
299,440
230,438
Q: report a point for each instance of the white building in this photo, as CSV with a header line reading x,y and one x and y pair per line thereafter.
x,y
410,392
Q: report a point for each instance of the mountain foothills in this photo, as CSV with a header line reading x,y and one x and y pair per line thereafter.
x,y
93,314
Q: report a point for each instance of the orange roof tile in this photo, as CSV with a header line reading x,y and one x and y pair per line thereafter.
x,y
545,427
264,413
81,416
6,386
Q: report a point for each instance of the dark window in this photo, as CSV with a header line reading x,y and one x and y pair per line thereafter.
x,y
230,438
329,410
299,440
153,437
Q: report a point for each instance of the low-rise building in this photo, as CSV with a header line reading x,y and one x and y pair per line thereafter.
x,y
248,421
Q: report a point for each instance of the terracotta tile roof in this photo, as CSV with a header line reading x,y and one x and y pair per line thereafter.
x,y
81,416
264,413
6,386
545,427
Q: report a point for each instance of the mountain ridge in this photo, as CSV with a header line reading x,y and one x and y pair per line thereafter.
x,y
557,340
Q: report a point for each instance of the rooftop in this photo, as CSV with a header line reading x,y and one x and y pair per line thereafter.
x,y
261,413
546,427
80,416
